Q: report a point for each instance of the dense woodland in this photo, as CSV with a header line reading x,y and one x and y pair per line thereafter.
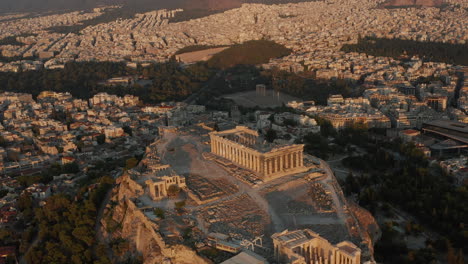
x,y
67,228
398,48
396,174
169,80
63,230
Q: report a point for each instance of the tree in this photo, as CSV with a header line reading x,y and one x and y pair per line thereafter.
x,y
271,135
180,205
3,193
128,130
101,139
131,163
290,122
5,235
159,212
216,127
25,201
173,190
71,168
326,127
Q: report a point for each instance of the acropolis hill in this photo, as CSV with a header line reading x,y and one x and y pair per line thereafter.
x,y
237,193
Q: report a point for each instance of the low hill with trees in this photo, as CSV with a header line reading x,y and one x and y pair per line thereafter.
x,y
248,53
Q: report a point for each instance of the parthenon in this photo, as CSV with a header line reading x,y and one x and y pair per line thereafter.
x,y
242,147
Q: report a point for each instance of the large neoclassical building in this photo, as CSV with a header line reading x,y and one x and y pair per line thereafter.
x,y
308,247
243,147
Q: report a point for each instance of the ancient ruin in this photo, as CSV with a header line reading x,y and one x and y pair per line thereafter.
x,y
306,246
243,146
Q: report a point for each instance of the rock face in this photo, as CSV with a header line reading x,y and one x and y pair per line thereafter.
x,y
142,233
398,3
369,229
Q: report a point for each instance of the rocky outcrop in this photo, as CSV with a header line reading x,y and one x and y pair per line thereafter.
x,y
368,227
123,219
127,188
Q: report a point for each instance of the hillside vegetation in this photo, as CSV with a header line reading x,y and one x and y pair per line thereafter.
x,y
248,53
429,51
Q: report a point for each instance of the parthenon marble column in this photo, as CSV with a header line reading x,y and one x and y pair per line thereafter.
x,y
281,162
243,158
270,166
290,158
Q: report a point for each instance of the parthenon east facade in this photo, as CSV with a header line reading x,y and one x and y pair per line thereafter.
x,y
241,146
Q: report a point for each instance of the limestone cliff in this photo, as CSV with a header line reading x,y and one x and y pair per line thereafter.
x,y
368,228
123,219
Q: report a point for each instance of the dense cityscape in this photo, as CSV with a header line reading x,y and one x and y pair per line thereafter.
x,y
303,132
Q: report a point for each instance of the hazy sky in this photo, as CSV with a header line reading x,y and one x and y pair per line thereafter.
x,y
54,5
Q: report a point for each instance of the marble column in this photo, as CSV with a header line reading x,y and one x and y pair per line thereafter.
x,y
270,166
278,161
290,161
281,163
275,164
243,158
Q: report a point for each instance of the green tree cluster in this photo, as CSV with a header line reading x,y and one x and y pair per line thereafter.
x,y
66,228
400,174
396,48
169,81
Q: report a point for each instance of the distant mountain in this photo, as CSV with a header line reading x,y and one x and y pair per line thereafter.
x,y
7,6
65,5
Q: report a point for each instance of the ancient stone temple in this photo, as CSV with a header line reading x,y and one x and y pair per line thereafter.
x,y
244,147
308,247
159,184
